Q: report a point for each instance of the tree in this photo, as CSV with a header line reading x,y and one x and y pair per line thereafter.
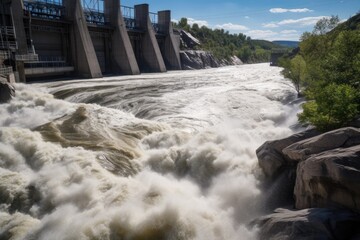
x,y
195,27
183,23
342,64
295,70
305,36
325,25
333,106
328,68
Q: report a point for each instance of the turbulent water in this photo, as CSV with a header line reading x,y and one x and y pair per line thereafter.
x,y
155,156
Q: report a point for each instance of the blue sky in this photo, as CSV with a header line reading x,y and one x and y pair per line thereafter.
x,y
259,19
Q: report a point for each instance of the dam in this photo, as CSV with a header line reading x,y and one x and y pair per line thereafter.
x,y
84,38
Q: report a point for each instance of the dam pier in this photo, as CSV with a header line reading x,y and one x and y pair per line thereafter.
x,y
84,38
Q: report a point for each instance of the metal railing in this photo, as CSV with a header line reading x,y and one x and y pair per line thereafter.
x,y
94,12
7,38
8,45
7,30
93,5
129,16
5,70
50,9
26,57
5,55
154,21
128,12
46,62
97,18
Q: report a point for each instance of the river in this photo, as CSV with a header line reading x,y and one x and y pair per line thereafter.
x,y
154,156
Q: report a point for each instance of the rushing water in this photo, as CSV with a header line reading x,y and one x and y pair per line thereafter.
x,y
155,156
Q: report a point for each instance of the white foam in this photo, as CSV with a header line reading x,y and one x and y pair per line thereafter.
x,y
198,175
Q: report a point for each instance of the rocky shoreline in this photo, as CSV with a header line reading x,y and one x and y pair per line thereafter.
x,y
7,90
198,59
312,180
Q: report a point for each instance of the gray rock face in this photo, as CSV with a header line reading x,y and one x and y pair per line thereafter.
x,y
7,91
316,223
329,179
327,176
191,59
340,138
270,156
188,40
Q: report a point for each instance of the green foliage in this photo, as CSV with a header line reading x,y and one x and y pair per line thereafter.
x,y
225,45
333,107
295,70
328,68
342,64
325,25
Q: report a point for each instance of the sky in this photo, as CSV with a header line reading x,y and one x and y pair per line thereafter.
x,y
259,19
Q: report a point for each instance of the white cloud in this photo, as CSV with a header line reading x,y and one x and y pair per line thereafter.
x,y
247,17
261,34
293,10
291,35
288,32
307,21
270,25
232,27
201,23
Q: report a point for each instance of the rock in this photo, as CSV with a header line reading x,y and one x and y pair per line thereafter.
x,y
340,138
280,191
270,156
188,40
7,91
191,59
355,123
329,179
315,223
234,60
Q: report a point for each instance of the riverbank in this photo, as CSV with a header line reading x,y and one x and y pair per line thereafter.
x,y
315,178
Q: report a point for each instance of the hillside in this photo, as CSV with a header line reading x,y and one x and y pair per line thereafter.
x,y
224,45
352,23
327,71
290,44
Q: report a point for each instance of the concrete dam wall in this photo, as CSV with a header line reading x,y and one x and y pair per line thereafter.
x,y
67,37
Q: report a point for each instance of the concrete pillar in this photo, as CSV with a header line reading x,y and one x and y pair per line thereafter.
x,y
85,60
171,50
123,57
17,14
151,56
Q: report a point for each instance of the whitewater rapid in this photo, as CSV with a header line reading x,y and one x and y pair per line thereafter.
x,y
154,156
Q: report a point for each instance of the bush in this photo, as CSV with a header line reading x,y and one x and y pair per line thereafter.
x,y
333,106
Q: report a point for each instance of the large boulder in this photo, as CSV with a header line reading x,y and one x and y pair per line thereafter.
x,y
329,179
340,138
191,59
279,190
270,156
316,223
7,91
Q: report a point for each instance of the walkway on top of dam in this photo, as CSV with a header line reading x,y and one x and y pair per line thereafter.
x,y
93,11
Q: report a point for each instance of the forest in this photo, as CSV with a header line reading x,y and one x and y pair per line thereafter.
x,y
224,45
326,70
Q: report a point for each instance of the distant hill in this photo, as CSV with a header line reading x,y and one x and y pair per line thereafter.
x,y
291,44
223,44
267,45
